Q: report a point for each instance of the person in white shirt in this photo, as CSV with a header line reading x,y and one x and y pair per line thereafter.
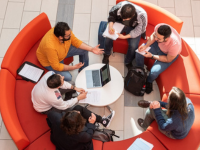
x,y
47,98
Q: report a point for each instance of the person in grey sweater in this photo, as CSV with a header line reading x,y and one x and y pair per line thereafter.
x,y
134,19
176,120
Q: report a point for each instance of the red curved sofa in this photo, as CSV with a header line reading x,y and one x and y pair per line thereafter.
x,y
29,129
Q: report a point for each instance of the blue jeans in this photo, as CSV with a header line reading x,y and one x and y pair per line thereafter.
x,y
158,66
132,45
83,57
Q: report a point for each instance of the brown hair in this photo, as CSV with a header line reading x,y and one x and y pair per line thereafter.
x,y
177,101
72,122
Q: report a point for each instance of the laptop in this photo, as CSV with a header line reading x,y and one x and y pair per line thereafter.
x,y
98,78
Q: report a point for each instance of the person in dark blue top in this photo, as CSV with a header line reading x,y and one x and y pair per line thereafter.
x,y
175,121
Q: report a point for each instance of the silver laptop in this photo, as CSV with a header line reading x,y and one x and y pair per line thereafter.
x,y
97,78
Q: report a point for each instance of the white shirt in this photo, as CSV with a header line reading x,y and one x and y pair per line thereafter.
x,y
44,98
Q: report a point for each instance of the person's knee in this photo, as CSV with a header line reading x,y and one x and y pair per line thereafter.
x,y
67,75
77,107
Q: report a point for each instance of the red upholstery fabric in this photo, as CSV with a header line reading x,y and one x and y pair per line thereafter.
x,y
192,141
97,145
33,123
42,143
24,41
121,46
8,109
183,73
125,144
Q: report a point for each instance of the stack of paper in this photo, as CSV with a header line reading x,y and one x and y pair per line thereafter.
x,y
92,97
140,144
118,28
143,52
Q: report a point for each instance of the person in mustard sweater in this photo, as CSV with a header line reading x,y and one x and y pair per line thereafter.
x,y
60,43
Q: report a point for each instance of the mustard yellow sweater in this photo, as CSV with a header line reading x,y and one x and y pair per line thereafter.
x,y
51,51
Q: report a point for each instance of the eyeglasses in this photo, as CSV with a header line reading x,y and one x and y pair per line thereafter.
x,y
67,36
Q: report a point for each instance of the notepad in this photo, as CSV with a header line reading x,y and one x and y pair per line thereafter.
x,y
92,97
140,144
30,72
118,28
143,52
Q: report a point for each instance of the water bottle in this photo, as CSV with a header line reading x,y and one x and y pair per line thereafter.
x,y
143,90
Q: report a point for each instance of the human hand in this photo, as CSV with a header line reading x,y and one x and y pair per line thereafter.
x,y
142,48
121,36
97,50
82,96
147,54
111,30
80,90
92,118
156,104
79,65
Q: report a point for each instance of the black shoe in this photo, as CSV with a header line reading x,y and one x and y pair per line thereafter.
x,y
107,120
143,103
140,122
149,87
129,66
105,59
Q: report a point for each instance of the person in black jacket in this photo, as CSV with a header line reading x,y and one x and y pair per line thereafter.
x,y
73,130
135,20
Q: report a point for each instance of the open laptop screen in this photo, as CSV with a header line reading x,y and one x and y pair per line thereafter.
x,y
105,74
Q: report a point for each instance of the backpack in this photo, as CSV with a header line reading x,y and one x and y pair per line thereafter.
x,y
104,135
135,81
102,28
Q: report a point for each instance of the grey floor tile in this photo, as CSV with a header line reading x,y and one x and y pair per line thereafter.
x,y
131,100
112,2
152,1
183,8
79,6
3,6
4,135
187,29
1,24
166,3
50,8
7,145
120,134
31,5
196,12
13,15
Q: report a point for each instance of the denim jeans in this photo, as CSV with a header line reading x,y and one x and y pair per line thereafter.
x,y
158,66
83,57
132,45
150,117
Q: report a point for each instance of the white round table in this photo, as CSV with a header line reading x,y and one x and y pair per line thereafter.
x,y
109,92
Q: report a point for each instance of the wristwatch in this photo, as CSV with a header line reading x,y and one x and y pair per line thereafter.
x,y
152,56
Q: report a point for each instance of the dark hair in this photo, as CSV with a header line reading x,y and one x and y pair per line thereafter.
x,y
127,11
54,81
72,122
165,30
60,29
177,101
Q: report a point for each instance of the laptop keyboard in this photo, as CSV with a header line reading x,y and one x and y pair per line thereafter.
x,y
96,78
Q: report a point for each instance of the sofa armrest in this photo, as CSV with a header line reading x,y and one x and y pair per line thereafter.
x,y
158,15
8,109
24,41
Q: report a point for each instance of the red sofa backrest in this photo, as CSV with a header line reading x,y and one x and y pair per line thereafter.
x,y
24,41
158,15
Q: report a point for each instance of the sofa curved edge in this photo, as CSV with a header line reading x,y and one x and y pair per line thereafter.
x,y
8,109
22,43
158,15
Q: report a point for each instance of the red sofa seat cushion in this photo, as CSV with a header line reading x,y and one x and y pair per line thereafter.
x,y
192,140
125,144
33,123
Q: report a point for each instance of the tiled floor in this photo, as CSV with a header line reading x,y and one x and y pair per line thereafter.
x,y
15,14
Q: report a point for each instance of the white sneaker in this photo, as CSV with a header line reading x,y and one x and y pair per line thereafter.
x,y
107,120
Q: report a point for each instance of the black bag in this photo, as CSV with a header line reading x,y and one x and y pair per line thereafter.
x,y
102,28
104,135
135,81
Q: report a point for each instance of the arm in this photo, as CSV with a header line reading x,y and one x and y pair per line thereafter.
x,y
86,136
163,104
94,50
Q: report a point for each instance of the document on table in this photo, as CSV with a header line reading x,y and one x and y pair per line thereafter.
x,y
140,144
143,52
118,28
92,97
31,72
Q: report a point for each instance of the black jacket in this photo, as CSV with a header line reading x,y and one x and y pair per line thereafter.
x,y
62,141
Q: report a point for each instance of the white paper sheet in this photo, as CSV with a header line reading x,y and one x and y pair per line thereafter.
x,y
118,28
31,72
140,144
93,97
143,52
